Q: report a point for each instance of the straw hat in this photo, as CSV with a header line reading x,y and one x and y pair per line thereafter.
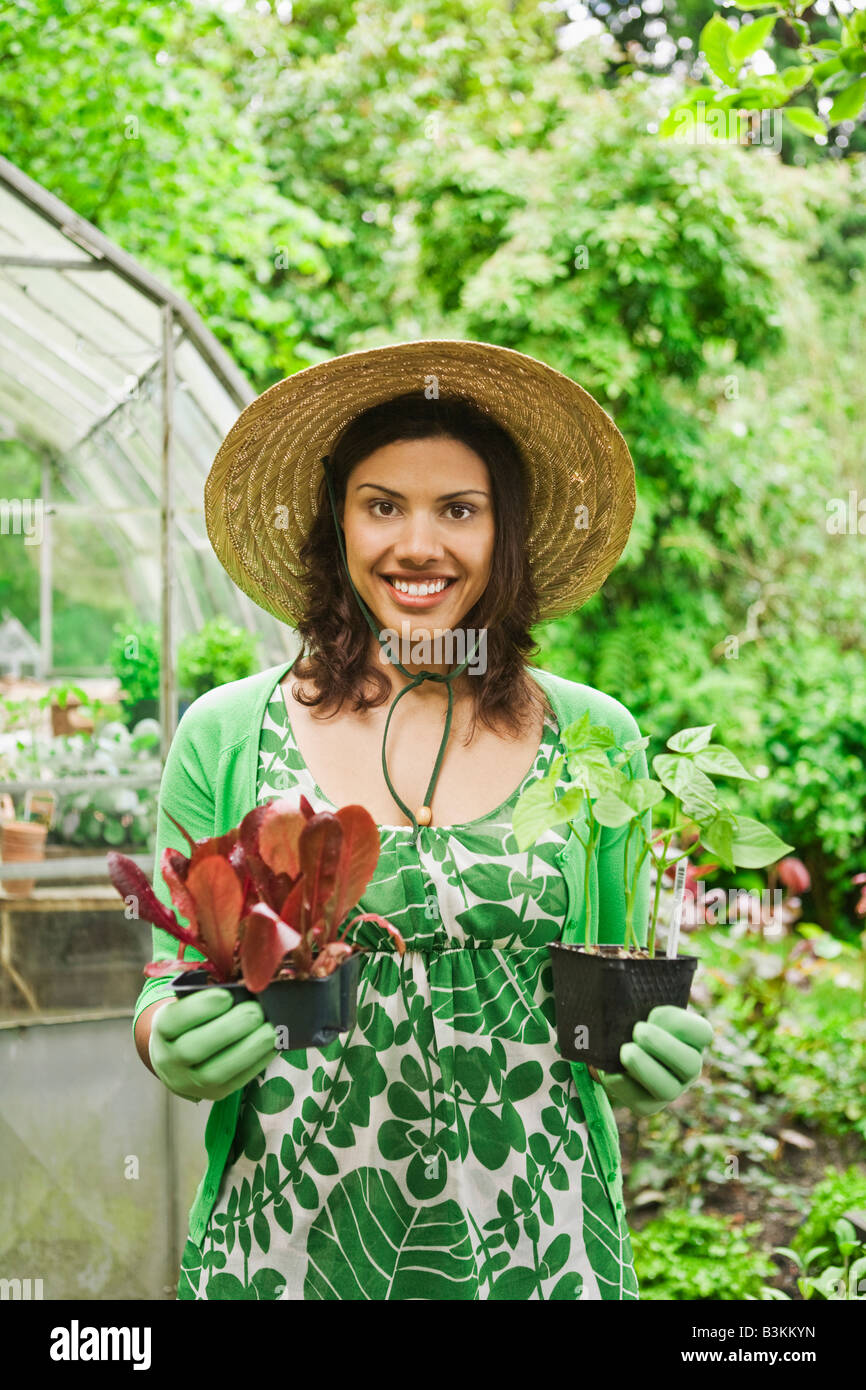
x,y
261,493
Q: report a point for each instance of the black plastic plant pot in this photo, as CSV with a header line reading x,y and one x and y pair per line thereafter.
x,y
312,1012
600,997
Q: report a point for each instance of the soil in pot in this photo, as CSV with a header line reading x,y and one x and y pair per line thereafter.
x,y
312,1012
599,996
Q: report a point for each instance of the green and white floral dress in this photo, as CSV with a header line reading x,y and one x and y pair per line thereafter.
x,y
438,1150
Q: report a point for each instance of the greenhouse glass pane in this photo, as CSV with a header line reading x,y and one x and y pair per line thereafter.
x,y
29,231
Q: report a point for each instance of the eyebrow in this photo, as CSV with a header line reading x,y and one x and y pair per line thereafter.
x,y
446,497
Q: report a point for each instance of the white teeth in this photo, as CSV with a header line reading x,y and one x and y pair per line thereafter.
x,y
419,590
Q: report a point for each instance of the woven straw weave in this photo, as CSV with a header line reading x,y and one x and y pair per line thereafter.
x,y
260,495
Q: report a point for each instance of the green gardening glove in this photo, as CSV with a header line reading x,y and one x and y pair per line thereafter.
x,y
203,1047
662,1060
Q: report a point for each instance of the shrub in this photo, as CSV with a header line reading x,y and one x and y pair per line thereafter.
x,y
692,1257
219,653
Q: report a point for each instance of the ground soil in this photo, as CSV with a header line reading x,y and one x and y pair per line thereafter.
x,y
777,1211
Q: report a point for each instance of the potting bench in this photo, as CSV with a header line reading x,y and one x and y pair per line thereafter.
x,y
53,898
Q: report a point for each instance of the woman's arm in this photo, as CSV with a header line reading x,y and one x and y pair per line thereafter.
x,y
142,1031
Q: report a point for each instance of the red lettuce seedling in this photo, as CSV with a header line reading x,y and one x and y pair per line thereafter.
x,y
264,901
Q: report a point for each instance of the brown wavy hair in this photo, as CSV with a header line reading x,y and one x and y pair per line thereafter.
x,y
334,632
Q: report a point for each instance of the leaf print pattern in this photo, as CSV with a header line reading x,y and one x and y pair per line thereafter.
x,y
439,1149
369,1242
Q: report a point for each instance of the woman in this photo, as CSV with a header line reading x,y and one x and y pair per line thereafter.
x,y
443,1148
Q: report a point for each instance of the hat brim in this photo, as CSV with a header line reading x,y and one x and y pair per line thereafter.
x,y
261,494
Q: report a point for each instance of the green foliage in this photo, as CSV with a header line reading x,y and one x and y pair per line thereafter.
x,y
837,1193
84,590
459,182
134,657
721,1132
81,632
104,104
789,1044
826,66
837,1282
219,653
605,795
841,253
817,749
795,1007
109,816
827,1249
113,817
19,571
814,1070
694,1257
750,615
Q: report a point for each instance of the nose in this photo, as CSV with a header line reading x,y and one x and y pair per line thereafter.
x,y
418,542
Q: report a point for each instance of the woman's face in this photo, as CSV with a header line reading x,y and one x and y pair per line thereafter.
x,y
419,511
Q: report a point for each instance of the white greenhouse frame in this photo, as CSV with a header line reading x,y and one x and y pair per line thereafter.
x,y
116,384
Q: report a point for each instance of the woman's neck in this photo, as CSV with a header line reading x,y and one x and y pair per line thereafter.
x,y
440,653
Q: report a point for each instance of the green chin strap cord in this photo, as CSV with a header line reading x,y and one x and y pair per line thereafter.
x,y
413,680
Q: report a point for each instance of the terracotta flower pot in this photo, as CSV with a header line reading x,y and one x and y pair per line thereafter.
x,y
599,997
64,720
22,842
314,1012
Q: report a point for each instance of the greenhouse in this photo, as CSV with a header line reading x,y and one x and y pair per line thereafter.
x,y
114,385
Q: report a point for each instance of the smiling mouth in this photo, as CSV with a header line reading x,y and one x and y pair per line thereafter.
x,y
426,592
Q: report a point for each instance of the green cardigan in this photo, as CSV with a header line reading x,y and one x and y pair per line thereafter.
x,y
209,782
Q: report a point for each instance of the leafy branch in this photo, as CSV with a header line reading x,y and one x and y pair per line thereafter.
x,y
831,66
